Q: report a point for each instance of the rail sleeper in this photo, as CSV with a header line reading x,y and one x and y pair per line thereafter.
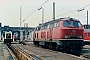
x,y
21,55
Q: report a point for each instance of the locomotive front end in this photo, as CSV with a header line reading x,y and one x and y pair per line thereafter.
x,y
72,35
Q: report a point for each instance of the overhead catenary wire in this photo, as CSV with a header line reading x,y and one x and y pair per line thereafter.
x,y
32,12
34,4
78,10
29,15
35,10
66,13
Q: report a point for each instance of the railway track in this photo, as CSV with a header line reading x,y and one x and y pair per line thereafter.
x,y
12,56
37,53
22,54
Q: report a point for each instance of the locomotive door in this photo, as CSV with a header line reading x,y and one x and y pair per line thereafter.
x,y
49,36
51,33
51,30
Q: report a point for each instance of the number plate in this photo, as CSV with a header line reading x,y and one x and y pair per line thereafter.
x,y
74,31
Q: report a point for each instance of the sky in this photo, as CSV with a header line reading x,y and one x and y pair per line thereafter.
x,y
10,11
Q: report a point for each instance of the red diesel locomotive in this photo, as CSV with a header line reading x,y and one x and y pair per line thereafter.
x,y
61,34
86,34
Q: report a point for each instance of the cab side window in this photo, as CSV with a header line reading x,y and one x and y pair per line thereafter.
x,y
56,24
88,34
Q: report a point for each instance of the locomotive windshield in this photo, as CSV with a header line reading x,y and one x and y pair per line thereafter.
x,y
72,23
76,24
68,23
8,35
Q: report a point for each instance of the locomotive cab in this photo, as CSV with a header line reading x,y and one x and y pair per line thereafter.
x,y
8,38
86,34
71,34
72,29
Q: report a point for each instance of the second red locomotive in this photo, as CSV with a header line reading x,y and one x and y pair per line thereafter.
x,y
60,34
86,34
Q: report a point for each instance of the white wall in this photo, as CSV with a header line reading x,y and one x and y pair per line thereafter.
x,y
31,35
0,35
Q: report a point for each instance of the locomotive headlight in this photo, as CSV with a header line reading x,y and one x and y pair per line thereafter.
x,y
79,36
66,36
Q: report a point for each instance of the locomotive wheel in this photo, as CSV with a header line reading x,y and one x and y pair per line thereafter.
x,y
36,43
54,46
58,48
4,42
46,45
50,46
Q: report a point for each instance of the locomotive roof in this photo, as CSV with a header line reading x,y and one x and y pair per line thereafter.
x,y
60,19
69,19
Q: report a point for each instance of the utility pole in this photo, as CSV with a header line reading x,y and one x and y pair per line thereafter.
x,y
26,30
53,10
20,24
87,17
0,30
42,15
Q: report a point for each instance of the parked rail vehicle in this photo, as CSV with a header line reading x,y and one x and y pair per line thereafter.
x,y
86,34
64,34
7,37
